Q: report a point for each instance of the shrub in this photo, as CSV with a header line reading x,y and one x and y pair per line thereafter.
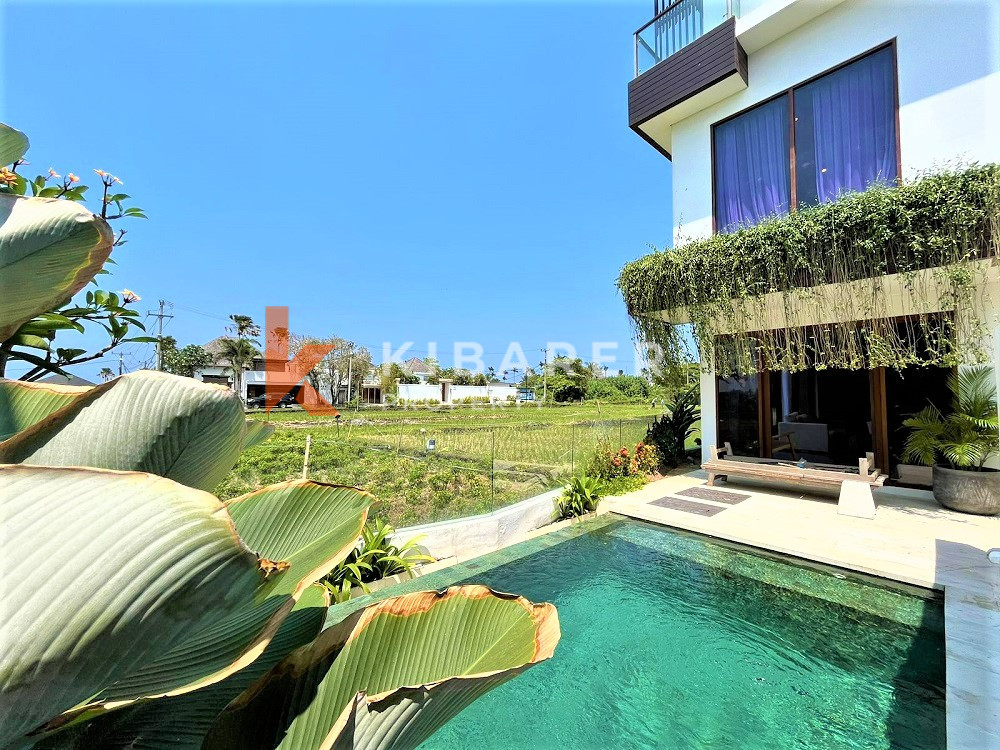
x,y
670,432
965,438
609,464
647,458
623,485
374,559
619,389
580,497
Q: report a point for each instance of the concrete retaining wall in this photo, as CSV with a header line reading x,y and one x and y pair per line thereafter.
x,y
480,534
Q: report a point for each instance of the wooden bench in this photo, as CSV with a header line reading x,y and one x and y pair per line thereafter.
x,y
855,485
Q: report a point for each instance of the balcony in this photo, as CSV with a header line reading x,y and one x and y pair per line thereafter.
x,y
676,26
686,58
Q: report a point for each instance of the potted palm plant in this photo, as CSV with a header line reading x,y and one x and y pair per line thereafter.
x,y
957,445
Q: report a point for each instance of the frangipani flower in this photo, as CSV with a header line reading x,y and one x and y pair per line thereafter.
x,y
129,296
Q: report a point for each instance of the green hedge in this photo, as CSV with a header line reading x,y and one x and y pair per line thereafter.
x,y
941,220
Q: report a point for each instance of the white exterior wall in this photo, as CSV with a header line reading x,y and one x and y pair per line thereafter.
x,y
949,88
494,391
419,392
427,391
948,56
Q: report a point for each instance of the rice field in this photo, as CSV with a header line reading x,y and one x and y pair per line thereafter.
x,y
429,465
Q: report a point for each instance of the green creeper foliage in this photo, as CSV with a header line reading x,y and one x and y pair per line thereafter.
x,y
944,222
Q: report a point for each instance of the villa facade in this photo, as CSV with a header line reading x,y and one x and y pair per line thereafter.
x,y
766,106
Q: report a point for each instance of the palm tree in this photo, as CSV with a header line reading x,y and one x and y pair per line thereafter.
x,y
239,355
106,374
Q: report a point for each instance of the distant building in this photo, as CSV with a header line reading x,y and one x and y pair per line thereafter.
x,y
418,368
55,379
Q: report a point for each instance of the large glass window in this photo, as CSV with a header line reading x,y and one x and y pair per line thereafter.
x,y
739,423
845,130
826,137
752,176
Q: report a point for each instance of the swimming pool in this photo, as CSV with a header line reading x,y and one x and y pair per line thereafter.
x,y
672,641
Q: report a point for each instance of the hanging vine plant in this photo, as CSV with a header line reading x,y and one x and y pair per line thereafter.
x,y
824,287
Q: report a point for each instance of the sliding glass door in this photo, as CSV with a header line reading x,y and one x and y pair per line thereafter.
x,y
822,416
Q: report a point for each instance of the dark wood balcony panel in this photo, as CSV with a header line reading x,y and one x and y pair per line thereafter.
x,y
706,61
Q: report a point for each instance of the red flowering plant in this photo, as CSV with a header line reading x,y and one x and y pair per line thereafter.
x,y
610,463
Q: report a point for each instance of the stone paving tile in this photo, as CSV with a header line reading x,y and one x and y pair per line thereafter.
x,y
688,506
719,496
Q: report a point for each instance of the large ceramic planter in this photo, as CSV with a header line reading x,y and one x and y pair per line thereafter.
x,y
968,491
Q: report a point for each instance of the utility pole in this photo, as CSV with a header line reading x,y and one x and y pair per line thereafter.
x,y
350,361
545,375
159,333
121,363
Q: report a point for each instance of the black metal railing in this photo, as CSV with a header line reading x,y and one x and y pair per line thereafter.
x,y
677,25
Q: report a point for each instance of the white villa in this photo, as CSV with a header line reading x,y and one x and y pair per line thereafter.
x,y
766,106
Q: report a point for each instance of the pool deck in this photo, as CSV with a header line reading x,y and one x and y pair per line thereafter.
x,y
911,539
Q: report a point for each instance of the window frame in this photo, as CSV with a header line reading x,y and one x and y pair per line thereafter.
x,y
790,93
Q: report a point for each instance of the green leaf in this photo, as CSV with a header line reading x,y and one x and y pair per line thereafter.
x,y
37,362
13,144
24,404
176,427
67,354
181,722
257,433
142,340
50,322
388,676
106,570
30,340
306,526
49,250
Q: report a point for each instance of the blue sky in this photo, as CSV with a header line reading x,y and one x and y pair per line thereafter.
x,y
390,171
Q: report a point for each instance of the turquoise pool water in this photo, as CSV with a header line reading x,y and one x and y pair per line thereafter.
x,y
670,641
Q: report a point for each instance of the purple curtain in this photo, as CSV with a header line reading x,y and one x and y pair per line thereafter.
x,y
845,130
752,166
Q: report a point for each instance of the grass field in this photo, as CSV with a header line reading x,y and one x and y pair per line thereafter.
x,y
483,458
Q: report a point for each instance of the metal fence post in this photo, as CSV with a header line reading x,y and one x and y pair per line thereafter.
x,y
493,463
621,438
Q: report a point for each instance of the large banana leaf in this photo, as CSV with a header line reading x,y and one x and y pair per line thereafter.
x,y
300,531
102,572
24,404
13,145
49,249
150,421
388,676
181,722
